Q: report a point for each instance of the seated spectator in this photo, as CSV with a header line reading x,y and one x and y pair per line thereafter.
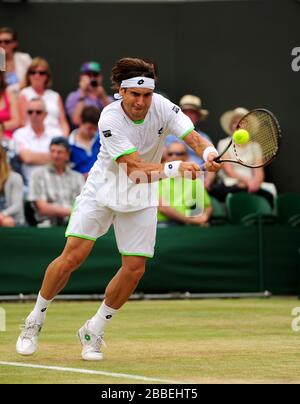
x,y
85,141
179,198
53,188
90,93
17,63
191,105
11,194
32,141
38,83
235,177
9,111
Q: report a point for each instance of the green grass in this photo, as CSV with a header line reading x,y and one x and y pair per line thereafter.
x,y
203,341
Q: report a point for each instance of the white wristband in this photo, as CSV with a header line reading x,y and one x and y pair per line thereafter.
x,y
209,149
171,169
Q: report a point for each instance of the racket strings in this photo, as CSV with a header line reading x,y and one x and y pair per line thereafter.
x,y
264,139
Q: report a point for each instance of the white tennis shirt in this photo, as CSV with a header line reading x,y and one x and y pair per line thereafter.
x,y
120,136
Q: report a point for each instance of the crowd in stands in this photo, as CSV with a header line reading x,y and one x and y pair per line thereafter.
x,y
48,147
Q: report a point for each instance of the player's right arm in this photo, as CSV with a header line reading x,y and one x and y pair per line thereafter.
x,y
133,165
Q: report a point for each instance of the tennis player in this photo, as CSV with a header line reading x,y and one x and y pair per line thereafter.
x,y
133,130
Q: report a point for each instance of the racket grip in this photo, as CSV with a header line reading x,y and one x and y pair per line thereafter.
x,y
202,166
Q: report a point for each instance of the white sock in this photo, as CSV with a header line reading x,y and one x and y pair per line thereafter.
x,y
39,311
98,323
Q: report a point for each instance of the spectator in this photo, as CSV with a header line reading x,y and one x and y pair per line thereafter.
x,y
191,106
17,63
85,141
32,141
53,188
38,83
11,194
9,111
180,197
90,92
234,177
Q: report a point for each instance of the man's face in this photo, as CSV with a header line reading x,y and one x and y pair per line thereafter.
x,y
89,129
136,102
93,77
36,112
59,155
177,151
192,114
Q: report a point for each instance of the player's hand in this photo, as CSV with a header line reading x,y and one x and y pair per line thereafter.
x,y
211,165
192,168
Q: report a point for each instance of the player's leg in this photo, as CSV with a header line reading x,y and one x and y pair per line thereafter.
x,y
59,271
57,275
125,281
135,234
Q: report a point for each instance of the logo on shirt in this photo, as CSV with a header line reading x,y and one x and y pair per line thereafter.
x,y
140,82
107,133
176,109
160,131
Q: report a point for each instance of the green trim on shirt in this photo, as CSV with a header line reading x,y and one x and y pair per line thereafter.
x,y
186,133
134,149
139,122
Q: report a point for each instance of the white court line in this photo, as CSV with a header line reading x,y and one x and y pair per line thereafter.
x,y
88,372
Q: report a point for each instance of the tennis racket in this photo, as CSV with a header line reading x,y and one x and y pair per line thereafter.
x,y
263,145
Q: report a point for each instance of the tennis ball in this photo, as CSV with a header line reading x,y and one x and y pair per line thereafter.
x,y
241,136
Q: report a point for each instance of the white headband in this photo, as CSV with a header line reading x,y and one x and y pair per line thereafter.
x,y
143,82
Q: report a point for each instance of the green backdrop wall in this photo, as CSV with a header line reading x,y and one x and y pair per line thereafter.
x,y
220,259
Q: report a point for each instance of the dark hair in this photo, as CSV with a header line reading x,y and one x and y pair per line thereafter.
x,y
3,84
90,115
126,68
60,141
12,32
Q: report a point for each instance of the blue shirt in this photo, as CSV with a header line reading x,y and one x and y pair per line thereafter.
x,y
82,158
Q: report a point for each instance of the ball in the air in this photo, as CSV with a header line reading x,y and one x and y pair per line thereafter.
x,y
241,136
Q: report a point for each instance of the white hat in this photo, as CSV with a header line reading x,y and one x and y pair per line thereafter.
x,y
193,102
229,116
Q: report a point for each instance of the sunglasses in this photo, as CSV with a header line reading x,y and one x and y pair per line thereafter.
x,y
178,154
35,111
39,72
6,41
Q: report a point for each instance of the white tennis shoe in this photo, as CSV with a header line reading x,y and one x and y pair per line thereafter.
x,y
27,342
91,344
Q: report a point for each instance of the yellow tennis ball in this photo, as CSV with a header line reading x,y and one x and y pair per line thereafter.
x,y
241,136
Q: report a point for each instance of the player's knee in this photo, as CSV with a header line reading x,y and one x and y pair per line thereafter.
x,y
136,272
71,261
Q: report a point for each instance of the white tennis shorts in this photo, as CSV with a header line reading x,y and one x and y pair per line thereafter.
x,y
135,231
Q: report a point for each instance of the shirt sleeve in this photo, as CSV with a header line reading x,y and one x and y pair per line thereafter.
x,y
178,123
114,140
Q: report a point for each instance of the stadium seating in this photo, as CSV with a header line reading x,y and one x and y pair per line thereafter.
x,y
246,208
219,215
288,208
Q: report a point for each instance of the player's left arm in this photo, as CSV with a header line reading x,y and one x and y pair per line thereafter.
x,y
199,144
